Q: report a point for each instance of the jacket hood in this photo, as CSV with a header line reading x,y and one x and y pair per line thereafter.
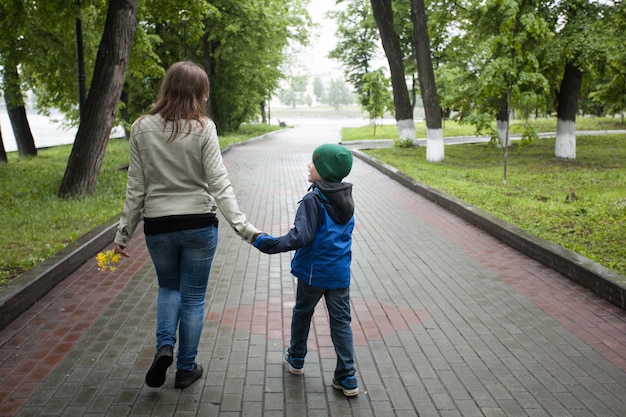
x,y
337,197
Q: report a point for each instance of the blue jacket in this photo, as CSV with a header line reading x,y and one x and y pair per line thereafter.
x,y
321,236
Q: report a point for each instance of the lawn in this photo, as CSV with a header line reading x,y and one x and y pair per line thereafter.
x,y
453,128
579,204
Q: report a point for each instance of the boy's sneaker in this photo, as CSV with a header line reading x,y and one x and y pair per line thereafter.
x,y
348,385
296,365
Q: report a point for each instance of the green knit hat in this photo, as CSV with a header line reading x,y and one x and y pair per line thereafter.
x,y
333,162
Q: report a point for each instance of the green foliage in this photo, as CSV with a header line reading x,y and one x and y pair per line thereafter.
x,y
579,205
318,89
403,143
248,42
296,93
610,91
338,94
376,97
357,40
242,45
529,135
49,68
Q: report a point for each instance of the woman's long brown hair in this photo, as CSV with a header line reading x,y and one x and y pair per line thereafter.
x,y
182,97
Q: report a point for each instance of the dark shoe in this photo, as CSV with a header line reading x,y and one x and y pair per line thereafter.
x,y
162,360
186,378
348,385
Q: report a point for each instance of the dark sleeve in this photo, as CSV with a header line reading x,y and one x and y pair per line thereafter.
x,y
301,234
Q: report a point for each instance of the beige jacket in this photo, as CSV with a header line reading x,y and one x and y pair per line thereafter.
x,y
183,176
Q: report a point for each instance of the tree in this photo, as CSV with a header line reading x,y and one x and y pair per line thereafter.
x,y
231,40
318,89
577,42
49,64
298,84
244,51
14,14
338,93
102,101
609,92
428,87
376,98
357,41
500,43
288,97
296,92
16,108
565,144
383,14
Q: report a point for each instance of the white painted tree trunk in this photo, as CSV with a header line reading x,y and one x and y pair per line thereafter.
x,y
565,146
434,145
406,130
503,133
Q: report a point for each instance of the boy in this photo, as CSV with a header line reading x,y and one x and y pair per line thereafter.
x,y
322,239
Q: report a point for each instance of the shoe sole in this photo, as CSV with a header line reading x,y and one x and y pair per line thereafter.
x,y
158,371
186,384
347,392
295,371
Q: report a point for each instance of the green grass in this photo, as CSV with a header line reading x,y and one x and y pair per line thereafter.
x,y
580,204
35,223
453,128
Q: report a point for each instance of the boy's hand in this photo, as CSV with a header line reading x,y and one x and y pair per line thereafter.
x,y
259,238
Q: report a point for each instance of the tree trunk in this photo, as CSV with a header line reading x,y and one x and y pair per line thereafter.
x,y
502,126
432,110
569,93
206,63
93,133
3,152
124,113
17,111
263,113
383,14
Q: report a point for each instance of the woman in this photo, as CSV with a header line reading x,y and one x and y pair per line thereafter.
x,y
177,180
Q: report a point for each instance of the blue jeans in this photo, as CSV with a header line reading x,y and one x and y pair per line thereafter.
x,y
182,260
338,304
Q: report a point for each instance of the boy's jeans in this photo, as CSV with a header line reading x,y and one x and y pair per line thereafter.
x,y
182,261
338,304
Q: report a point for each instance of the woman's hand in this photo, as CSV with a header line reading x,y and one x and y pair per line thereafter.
x,y
122,251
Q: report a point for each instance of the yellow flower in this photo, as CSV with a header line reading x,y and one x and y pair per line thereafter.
x,y
107,259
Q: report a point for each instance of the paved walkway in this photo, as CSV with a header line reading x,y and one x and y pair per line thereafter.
x,y
447,320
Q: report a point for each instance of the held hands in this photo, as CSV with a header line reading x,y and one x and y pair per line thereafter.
x,y
260,240
254,236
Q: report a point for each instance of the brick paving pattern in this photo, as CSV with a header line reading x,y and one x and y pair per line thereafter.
x,y
447,320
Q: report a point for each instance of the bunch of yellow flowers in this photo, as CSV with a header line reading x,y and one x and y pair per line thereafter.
x,y
106,260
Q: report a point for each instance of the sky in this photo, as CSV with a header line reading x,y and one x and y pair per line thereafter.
x,y
322,42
